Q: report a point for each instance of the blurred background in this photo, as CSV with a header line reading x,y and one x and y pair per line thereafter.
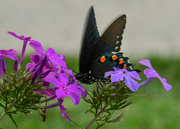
x,y
151,25
152,31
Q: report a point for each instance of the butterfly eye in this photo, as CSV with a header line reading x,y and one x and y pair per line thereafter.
x,y
114,57
102,59
121,61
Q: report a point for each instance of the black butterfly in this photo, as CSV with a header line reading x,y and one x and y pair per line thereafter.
x,y
100,54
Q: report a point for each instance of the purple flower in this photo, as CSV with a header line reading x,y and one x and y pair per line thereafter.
x,y
62,108
25,39
69,72
81,89
20,37
57,61
7,53
37,47
16,66
38,62
124,75
62,88
152,74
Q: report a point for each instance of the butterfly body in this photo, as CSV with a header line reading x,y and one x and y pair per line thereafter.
x,y
100,54
102,64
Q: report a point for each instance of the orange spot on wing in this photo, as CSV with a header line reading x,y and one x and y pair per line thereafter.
x,y
121,61
114,57
124,66
102,59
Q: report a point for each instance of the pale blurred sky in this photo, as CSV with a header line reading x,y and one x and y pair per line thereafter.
x,y
152,25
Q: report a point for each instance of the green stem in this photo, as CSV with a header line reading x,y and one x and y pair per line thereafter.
x,y
97,115
2,115
76,124
10,106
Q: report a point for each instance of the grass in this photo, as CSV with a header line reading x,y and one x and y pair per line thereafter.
x,y
153,107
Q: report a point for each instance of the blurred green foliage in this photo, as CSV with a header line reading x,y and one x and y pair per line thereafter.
x,y
153,107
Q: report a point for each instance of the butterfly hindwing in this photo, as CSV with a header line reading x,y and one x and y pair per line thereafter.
x,y
108,62
110,41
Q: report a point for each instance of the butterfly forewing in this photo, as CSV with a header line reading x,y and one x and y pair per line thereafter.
x,y
91,35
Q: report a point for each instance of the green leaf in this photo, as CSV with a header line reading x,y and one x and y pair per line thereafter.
x,y
13,120
1,105
100,125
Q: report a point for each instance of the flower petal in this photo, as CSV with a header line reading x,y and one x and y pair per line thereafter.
x,y
132,84
108,73
63,78
52,79
62,56
60,93
72,88
69,72
20,37
134,75
150,72
9,53
37,47
58,62
119,76
165,84
13,34
63,112
145,62
52,53
2,67
74,97
81,90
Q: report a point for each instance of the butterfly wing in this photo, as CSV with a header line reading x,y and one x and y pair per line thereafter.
x,y
94,46
110,41
91,35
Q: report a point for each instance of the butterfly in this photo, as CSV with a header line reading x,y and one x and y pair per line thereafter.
x,y
100,54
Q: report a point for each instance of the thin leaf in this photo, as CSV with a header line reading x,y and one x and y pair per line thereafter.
x,y
13,120
100,125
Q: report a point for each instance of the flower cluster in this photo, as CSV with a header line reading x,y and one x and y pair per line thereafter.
x,y
50,68
110,98
53,69
129,77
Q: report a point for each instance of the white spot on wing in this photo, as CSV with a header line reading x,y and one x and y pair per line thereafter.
x,y
116,47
